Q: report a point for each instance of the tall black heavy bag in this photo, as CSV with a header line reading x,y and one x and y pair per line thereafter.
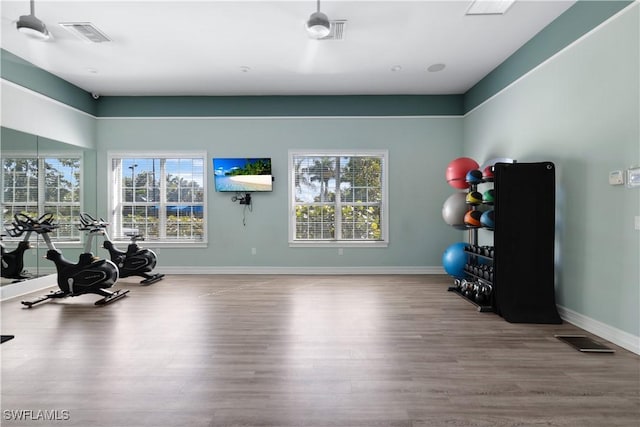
x,y
524,240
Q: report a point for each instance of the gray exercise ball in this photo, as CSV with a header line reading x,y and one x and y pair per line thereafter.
x,y
454,209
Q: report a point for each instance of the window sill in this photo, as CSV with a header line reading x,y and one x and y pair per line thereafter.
x,y
338,244
155,244
121,244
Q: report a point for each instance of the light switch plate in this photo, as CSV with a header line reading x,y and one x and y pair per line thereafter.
x,y
616,178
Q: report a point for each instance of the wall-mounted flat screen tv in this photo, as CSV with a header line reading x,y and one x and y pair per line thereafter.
x,y
243,175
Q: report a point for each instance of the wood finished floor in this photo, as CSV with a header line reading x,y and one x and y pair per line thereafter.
x,y
400,351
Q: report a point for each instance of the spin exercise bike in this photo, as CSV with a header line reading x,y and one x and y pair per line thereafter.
x,y
90,275
13,262
136,261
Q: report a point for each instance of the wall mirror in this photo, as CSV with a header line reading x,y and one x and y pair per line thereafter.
x,y
42,175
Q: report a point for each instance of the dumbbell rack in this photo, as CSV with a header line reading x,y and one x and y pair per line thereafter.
x,y
482,278
523,260
482,273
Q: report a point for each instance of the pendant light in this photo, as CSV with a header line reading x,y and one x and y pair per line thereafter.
x,y
32,26
318,25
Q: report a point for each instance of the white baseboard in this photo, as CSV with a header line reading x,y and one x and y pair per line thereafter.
x,y
21,288
303,270
618,337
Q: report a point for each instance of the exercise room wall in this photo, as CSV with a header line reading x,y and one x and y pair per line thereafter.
x,y
54,127
419,150
580,110
28,111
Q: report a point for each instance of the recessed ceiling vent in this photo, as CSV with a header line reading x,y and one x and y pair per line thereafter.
x,y
336,30
85,31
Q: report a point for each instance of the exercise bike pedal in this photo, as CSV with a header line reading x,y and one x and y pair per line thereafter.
x,y
114,296
152,279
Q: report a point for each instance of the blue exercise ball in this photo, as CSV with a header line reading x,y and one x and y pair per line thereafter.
x,y
474,176
454,258
488,219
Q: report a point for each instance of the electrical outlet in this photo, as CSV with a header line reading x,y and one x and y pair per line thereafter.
x,y
253,251
637,222
340,251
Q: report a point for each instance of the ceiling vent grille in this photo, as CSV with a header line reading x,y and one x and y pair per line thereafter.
x,y
336,30
85,31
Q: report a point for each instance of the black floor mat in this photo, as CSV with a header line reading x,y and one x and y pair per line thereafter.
x,y
6,338
585,344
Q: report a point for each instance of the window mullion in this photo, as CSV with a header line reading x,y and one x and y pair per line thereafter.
x,y
162,208
338,203
42,172
117,198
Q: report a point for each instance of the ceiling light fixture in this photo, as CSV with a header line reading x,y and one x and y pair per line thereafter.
x,y
318,25
32,26
436,67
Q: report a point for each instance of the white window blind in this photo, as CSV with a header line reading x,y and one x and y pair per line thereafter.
x,y
338,197
48,183
160,197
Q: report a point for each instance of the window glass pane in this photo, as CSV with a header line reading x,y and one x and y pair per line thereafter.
x,y
57,179
359,175
177,214
142,220
62,180
361,223
184,222
315,222
144,180
319,214
315,179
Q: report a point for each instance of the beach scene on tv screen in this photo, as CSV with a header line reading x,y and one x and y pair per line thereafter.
x,y
242,174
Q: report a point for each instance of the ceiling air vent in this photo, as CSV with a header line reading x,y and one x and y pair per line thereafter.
x,y
336,31
85,31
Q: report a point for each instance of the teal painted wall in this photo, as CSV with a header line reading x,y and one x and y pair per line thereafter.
x,y
23,73
280,106
580,110
578,20
419,149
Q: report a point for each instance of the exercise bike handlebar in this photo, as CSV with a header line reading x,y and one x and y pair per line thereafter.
x,y
44,224
16,231
87,222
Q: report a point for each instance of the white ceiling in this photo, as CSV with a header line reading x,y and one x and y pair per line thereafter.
x,y
203,47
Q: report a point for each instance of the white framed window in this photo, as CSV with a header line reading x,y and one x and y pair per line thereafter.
x,y
161,196
44,183
338,198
